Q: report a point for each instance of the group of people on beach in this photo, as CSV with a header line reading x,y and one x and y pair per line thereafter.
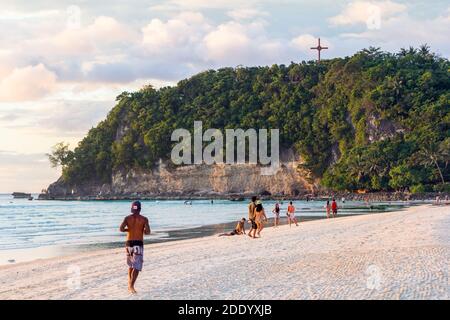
x,y
136,226
257,217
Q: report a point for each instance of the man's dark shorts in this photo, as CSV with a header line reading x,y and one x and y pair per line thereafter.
x,y
254,226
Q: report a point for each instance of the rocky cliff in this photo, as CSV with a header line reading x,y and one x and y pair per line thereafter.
x,y
193,181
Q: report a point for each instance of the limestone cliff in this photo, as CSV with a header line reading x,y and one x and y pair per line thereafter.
x,y
219,181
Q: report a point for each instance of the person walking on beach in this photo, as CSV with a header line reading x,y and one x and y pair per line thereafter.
x,y
334,208
251,217
328,208
276,212
135,226
291,214
260,217
240,229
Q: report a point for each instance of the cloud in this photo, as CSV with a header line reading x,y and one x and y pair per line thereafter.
x,y
193,43
304,42
185,29
105,33
28,83
367,12
228,41
234,43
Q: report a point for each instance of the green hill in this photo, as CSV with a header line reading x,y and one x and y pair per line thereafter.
x,y
372,121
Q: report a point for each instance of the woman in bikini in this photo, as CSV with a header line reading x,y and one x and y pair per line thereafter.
x,y
276,212
240,229
260,217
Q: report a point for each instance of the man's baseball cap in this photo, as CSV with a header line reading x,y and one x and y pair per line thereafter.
x,y
136,207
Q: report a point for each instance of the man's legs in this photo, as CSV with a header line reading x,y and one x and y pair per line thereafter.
x,y
130,270
130,278
252,228
133,278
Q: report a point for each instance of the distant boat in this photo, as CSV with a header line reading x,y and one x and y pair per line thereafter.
x,y
30,198
21,195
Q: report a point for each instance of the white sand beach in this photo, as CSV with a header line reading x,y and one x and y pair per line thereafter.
x,y
395,255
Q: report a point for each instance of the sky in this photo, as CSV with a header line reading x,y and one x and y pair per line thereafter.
x,y
62,63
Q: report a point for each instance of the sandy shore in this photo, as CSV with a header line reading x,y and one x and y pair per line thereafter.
x,y
396,255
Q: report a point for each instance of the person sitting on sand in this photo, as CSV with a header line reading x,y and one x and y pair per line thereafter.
x,y
334,208
251,217
276,212
240,229
260,217
135,226
291,214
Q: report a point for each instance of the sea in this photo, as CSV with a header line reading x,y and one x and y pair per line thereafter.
x,y
38,229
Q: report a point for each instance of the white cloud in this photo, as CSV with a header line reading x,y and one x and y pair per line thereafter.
x,y
185,29
189,39
304,42
227,41
28,83
235,43
103,34
365,11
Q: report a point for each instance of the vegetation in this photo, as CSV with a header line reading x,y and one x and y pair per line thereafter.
x,y
373,121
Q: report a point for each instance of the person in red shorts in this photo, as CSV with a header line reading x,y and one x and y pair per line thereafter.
x,y
334,208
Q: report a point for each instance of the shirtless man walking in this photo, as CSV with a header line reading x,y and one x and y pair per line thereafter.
x,y
251,217
135,226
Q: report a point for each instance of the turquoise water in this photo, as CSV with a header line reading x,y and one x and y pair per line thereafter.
x,y
29,228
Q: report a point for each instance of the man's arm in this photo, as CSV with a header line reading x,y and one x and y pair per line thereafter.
x,y
147,227
123,226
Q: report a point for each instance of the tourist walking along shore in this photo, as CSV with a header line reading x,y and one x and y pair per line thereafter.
x,y
276,212
135,226
334,208
260,217
291,214
251,217
328,208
